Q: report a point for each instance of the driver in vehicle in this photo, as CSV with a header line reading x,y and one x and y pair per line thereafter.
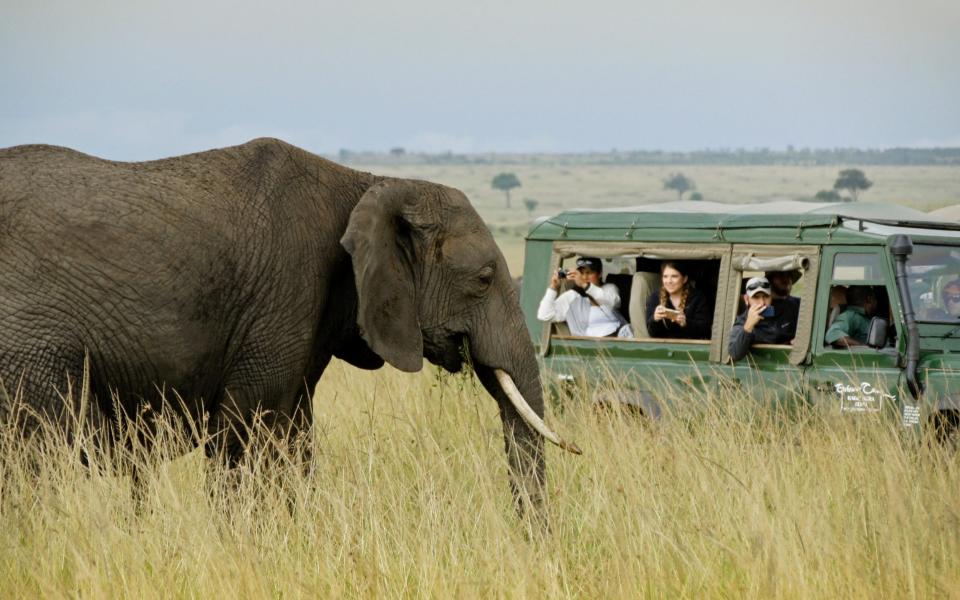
x,y
852,325
765,320
590,309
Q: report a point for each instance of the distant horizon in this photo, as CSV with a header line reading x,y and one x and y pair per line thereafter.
x,y
719,150
387,150
392,151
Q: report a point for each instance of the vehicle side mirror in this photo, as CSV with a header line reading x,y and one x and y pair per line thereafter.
x,y
877,334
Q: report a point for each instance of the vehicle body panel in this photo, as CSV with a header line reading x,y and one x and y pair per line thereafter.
x,y
850,381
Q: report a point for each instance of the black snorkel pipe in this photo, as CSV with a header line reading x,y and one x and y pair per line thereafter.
x,y
901,246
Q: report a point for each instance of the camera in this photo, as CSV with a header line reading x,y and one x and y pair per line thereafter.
x,y
562,273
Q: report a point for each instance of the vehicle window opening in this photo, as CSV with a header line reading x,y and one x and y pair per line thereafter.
x,y
638,283
850,309
857,266
933,274
584,297
702,276
786,287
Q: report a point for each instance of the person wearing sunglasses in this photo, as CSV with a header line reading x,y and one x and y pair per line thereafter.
x,y
765,321
951,304
590,308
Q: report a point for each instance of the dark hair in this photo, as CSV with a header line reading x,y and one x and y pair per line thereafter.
x,y
684,291
591,262
676,266
857,295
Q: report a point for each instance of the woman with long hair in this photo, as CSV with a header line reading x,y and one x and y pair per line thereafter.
x,y
677,309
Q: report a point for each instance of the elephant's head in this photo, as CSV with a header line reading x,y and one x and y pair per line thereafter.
x,y
429,278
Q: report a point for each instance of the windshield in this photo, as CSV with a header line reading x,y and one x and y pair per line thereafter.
x,y
933,273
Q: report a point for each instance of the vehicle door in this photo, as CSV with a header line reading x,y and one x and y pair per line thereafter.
x,y
857,380
772,372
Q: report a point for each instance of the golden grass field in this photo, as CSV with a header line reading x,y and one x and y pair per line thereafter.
x,y
409,498
409,495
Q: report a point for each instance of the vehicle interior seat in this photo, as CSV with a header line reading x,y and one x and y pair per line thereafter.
x,y
938,286
644,283
834,313
624,282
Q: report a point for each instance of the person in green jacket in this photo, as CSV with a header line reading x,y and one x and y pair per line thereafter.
x,y
852,325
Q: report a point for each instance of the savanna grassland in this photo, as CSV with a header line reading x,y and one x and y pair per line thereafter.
x,y
560,187
408,496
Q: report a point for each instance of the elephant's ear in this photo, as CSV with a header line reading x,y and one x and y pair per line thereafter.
x,y
379,242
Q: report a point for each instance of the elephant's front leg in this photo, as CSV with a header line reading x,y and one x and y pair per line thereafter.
x,y
245,426
274,447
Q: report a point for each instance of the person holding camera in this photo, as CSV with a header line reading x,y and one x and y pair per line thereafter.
x,y
765,321
590,308
677,309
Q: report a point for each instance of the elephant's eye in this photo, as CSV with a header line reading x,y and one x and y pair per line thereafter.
x,y
485,276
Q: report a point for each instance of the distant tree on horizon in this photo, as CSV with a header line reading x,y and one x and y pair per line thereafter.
x,y
852,180
680,183
531,205
696,196
505,182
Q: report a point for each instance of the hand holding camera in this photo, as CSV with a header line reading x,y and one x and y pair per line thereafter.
x,y
579,279
558,278
662,312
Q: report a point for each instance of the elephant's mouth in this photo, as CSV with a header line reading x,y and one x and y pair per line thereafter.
x,y
444,349
453,351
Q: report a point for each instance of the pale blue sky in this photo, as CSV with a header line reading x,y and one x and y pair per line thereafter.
x,y
130,80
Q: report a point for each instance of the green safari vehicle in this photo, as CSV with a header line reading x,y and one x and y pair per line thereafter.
x,y
910,368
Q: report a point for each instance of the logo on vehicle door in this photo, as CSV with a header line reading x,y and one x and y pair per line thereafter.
x,y
861,398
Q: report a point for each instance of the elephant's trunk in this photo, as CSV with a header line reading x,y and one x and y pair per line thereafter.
x,y
507,367
526,459
529,416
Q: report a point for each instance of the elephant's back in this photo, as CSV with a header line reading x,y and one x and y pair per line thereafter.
x,y
127,261
224,184
136,246
56,180
65,209
110,240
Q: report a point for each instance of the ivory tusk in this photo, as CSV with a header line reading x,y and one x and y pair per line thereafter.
x,y
510,388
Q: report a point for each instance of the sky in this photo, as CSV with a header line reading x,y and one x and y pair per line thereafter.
x,y
138,80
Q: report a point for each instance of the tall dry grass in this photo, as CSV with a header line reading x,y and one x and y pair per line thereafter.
x,y
408,497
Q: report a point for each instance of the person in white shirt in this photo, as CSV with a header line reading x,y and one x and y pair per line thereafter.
x,y
590,309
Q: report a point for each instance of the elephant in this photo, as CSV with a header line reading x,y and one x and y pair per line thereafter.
x,y
233,276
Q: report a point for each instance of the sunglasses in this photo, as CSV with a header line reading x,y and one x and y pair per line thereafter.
x,y
953,298
758,285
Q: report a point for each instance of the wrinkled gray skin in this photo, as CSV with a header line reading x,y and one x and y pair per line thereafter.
x,y
233,276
